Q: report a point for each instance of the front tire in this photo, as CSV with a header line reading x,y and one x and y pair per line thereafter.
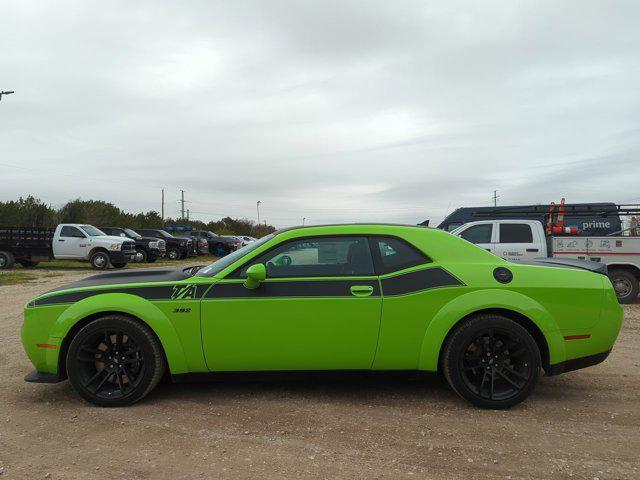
x,y
143,256
114,361
491,361
173,254
625,284
99,260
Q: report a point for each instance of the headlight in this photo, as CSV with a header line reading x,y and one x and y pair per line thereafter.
x,y
115,246
154,244
182,244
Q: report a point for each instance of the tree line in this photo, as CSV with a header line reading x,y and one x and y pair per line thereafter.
x,y
31,212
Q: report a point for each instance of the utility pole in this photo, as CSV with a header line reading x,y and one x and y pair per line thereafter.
x,y
495,198
8,92
303,219
182,203
258,208
162,210
187,214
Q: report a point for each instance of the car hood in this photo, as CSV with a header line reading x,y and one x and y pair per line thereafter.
x,y
112,238
142,275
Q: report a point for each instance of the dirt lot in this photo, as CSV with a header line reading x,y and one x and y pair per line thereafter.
x,y
584,424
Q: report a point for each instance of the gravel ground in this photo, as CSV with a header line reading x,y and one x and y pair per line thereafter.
x,y
584,424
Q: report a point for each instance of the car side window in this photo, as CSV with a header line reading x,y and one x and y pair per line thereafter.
x,y
396,254
515,233
317,257
71,232
478,233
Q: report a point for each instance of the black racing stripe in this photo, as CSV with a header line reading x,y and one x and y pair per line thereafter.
x,y
301,288
159,292
418,280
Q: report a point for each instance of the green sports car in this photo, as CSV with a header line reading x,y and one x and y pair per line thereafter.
x,y
328,298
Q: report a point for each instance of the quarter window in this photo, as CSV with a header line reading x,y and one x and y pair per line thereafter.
x,y
317,257
478,233
396,254
515,233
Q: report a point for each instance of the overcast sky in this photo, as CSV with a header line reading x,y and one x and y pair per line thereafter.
x,y
336,111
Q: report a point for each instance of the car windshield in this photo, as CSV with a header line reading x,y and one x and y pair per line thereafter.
x,y
219,265
131,233
92,231
165,234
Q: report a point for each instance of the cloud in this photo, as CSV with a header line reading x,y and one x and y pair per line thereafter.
x,y
333,111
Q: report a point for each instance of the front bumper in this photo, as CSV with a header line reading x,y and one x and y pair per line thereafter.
x,y
43,377
122,257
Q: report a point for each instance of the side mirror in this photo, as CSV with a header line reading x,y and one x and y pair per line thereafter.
x,y
255,275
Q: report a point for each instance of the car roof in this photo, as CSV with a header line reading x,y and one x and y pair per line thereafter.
x,y
346,225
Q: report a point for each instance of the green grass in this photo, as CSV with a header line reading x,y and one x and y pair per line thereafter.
x,y
15,278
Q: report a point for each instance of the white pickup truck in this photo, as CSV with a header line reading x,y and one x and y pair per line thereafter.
x,y
523,240
29,246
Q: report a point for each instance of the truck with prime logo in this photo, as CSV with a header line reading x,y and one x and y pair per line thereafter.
x,y
29,246
525,240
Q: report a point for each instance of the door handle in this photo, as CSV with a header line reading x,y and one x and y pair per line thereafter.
x,y
361,290
532,250
60,240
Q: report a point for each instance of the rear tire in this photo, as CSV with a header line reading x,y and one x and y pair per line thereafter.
x,y
491,361
7,260
99,260
625,284
115,361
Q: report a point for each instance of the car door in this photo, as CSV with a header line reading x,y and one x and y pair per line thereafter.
x,y
318,309
71,243
516,242
481,234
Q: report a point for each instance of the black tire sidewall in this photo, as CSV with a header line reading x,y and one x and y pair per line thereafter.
x,y
144,255
9,260
177,254
92,261
143,338
634,285
460,339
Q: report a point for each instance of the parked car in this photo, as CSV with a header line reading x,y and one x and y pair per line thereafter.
x,y
148,249
350,298
69,241
245,240
177,248
200,244
218,245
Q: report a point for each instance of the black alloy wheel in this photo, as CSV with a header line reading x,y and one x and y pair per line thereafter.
x,y
492,361
114,361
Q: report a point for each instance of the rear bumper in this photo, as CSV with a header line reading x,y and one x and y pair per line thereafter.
x,y
576,363
42,377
